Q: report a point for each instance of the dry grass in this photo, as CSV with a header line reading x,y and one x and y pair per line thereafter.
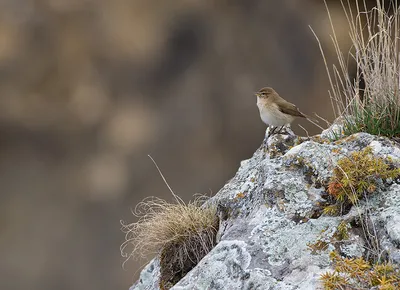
x,y
370,102
180,234
161,224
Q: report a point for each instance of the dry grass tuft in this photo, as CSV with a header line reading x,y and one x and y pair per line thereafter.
x,y
370,102
181,234
161,223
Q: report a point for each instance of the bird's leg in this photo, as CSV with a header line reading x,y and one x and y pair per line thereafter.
x,y
280,129
272,131
265,143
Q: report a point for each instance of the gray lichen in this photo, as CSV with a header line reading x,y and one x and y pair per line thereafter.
x,y
271,214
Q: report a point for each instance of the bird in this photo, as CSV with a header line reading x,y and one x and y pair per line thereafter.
x,y
275,110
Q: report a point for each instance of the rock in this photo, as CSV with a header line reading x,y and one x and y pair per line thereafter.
x,y
272,221
148,277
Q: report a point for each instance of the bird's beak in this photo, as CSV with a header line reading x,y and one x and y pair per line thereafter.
x,y
257,94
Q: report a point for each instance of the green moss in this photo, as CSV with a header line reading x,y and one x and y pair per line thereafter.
x,y
355,176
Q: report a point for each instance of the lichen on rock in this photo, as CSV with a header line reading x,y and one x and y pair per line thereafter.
x,y
271,212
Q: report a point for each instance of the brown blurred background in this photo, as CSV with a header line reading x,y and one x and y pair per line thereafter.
x,y
88,88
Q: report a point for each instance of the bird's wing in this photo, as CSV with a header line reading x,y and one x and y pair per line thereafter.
x,y
290,109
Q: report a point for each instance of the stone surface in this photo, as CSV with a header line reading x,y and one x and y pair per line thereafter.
x,y
148,277
271,215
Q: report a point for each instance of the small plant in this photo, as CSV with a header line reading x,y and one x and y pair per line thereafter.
x,y
370,102
342,232
181,234
323,242
356,273
355,176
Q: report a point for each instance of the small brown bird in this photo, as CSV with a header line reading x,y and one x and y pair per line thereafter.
x,y
274,110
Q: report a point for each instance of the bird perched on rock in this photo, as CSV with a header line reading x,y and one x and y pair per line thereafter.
x,y
276,111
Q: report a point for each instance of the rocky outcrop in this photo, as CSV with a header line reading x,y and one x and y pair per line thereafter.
x,y
271,217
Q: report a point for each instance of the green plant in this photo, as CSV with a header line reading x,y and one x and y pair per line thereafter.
x,y
355,176
356,273
342,232
370,102
181,234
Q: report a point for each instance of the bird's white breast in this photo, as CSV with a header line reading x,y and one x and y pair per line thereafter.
x,y
271,115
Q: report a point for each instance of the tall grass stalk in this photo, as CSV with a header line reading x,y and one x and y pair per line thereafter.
x,y
370,102
187,230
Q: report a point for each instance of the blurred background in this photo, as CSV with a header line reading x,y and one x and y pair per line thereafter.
x,y
88,88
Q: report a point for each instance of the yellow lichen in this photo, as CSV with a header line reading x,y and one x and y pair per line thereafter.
x,y
240,195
